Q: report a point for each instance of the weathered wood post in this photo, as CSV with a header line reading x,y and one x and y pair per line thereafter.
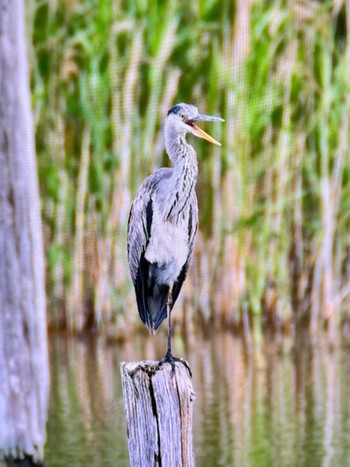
x,y
158,410
24,374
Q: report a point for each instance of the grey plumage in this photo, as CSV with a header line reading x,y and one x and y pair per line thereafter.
x,y
163,221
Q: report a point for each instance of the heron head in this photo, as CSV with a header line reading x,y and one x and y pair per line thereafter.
x,y
183,118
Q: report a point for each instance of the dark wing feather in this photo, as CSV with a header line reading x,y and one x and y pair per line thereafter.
x,y
140,244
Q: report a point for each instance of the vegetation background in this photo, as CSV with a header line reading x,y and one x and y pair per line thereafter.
x,y
273,251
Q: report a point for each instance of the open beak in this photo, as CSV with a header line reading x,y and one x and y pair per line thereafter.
x,y
199,132
202,134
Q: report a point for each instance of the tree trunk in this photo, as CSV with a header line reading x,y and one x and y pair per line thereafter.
x,y
158,411
24,375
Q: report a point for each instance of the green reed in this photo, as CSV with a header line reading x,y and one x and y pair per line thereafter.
x,y
274,200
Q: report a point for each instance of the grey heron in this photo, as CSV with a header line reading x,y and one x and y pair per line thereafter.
x,y
163,222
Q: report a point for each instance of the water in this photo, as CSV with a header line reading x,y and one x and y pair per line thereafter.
x,y
273,407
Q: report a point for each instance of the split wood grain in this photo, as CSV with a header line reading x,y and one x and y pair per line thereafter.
x,y
158,409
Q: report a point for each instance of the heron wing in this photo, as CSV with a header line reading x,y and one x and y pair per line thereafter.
x,y
139,232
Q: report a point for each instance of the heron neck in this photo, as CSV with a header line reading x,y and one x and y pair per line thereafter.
x,y
185,172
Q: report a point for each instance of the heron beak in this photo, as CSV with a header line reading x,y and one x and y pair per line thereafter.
x,y
202,134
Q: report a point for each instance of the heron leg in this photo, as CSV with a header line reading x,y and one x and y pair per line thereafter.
x,y
169,358
169,303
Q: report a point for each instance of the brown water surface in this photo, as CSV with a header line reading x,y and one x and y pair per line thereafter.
x,y
270,407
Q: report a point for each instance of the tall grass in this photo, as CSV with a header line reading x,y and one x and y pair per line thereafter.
x,y
274,241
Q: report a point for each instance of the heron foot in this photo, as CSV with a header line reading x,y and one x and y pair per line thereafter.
x,y
169,358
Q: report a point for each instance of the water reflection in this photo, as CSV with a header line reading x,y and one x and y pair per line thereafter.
x,y
272,406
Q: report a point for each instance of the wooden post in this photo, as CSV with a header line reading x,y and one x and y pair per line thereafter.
x,y
24,371
158,412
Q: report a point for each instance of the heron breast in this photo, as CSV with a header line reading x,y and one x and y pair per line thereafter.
x,y
168,248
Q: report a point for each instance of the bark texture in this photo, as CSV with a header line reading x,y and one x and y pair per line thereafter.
x,y
158,411
24,375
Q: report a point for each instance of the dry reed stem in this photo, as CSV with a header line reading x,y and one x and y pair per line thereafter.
x,y
76,298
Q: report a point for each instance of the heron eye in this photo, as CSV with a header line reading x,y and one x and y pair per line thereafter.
x,y
183,116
